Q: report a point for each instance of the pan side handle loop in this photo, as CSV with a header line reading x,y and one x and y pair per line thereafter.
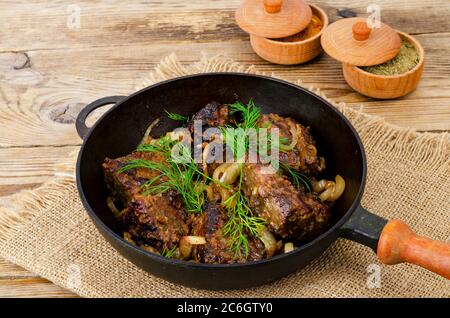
x,y
80,123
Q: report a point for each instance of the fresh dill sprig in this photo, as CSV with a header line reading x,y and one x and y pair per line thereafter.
x,y
239,140
183,177
241,223
176,117
250,114
298,179
168,252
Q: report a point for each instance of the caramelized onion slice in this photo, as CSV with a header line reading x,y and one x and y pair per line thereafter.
x,y
149,248
288,247
186,243
331,190
129,238
231,173
338,189
293,131
220,171
319,186
112,206
269,241
147,133
227,173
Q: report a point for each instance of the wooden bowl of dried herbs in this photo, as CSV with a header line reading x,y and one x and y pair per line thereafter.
x,y
392,79
377,61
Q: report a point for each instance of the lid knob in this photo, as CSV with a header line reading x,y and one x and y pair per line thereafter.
x,y
272,6
361,31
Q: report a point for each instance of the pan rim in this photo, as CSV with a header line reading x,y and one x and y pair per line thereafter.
x,y
158,258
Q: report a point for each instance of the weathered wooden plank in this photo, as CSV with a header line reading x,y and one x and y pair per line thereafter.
x,y
18,282
40,101
31,287
31,166
11,271
8,189
125,23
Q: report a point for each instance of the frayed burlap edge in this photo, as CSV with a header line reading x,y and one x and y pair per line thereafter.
x,y
426,149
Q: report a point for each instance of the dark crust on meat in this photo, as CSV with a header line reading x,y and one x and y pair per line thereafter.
x,y
304,155
156,220
124,185
217,248
153,220
290,213
212,115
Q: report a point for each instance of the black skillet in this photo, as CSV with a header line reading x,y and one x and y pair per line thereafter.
x,y
121,128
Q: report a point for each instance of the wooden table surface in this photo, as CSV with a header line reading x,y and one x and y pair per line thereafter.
x,y
49,71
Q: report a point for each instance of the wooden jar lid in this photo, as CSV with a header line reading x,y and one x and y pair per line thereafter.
x,y
273,18
351,41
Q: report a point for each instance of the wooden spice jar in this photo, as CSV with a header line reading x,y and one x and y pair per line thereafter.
x,y
283,31
353,43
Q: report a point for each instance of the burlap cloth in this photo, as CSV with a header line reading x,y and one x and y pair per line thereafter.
x,y
47,231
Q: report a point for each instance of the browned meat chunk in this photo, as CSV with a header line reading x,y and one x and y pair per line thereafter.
x,y
217,248
156,220
124,185
153,220
304,155
289,212
212,115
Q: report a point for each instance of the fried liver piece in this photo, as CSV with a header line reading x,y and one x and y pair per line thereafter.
x,y
213,114
304,155
153,220
217,248
290,213
124,185
156,220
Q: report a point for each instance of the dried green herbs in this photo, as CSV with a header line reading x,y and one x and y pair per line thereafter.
x,y
406,60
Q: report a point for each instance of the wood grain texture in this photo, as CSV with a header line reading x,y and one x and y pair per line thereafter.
x,y
290,53
28,167
398,244
339,42
386,87
273,19
32,287
49,71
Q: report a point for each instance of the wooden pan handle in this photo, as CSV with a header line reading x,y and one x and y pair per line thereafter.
x,y
272,6
399,244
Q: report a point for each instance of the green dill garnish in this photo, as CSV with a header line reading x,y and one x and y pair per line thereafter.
x,y
177,117
241,222
238,138
298,179
250,114
168,253
183,177
247,128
